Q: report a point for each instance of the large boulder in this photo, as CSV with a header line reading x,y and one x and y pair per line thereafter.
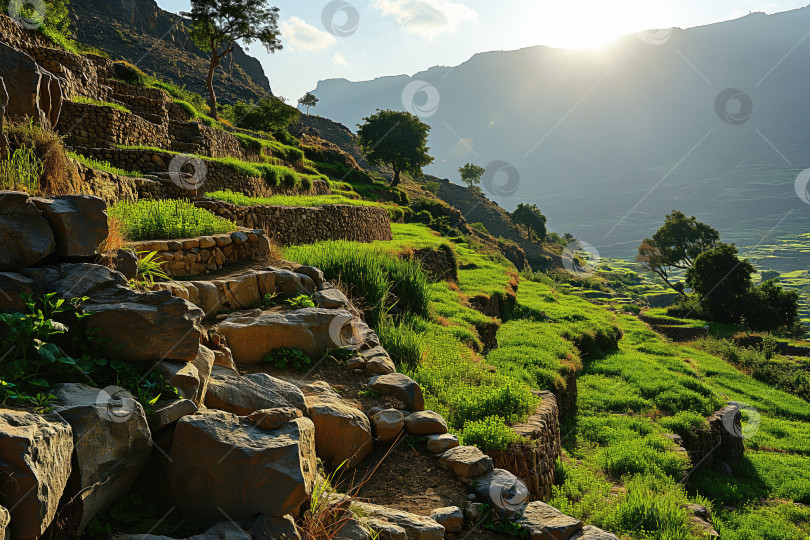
x,y
33,92
400,386
110,448
467,462
542,522
79,223
133,326
309,330
25,235
342,432
220,464
35,455
416,527
243,395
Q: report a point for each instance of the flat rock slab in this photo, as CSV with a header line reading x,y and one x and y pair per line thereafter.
x,y
219,463
425,423
589,532
35,453
544,522
466,462
400,386
243,395
270,419
416,527
386,530
331,299
311,330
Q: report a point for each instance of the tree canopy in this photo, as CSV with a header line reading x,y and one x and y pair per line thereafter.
x,y
308,100
270,114
397,139
471,175
530,217
218,24
676,245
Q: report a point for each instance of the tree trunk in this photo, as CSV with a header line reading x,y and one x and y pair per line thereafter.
x,y
212,96
395,182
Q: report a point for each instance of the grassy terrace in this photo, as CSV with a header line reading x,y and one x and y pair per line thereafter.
x,y
287,200
166,220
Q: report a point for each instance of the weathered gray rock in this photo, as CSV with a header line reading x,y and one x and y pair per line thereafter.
x,y
425,423
502,490
36,93
220,463
224,357
315,274
309,330
226,530
25,235
416,527
388,424
275,528
35,455
290,283
377,361
169,411
439,444
110,449
467,462
182,375
133,326
79,223
331,299
270,419
12,286
450,517
243,395
385,530
121,260
400,386
353,530
589,532
544,522
474,511
342,432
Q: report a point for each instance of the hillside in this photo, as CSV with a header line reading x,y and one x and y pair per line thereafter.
x,y
607,142
126,30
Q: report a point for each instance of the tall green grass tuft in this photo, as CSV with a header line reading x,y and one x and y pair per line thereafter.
x,y
167,220
22,170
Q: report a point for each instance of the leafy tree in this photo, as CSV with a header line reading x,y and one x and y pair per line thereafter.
x,y
218,24
271,114
676,245
471,175
397,139
309,100
530,217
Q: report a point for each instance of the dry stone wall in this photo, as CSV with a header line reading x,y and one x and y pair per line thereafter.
x,y
91,125
305,225
533,462
196,256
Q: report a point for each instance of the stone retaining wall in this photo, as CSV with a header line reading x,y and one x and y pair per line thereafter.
x,y
439,263
303,225
92,125
196,256
721,442
534,462
114,188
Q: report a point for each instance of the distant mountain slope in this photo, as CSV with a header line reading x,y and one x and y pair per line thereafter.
x,y
158,42
607,142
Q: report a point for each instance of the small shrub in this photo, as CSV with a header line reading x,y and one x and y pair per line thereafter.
x,y
285,358
301,301
488,434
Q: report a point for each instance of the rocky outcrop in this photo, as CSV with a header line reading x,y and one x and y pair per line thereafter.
x,y
36,92
25,235
221,463
35,455
109,449
79,223
342,432
243,395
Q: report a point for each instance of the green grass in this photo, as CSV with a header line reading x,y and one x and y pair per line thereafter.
x,y
286,200
102,165
166,220
89,101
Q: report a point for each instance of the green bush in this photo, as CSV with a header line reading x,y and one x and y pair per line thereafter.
x,y
285,358
167,220
489,434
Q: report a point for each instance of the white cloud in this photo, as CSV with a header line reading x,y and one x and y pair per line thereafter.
x,y
303,36
339,60
427,18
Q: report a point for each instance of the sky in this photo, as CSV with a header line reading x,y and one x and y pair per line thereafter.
x,y
364,39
